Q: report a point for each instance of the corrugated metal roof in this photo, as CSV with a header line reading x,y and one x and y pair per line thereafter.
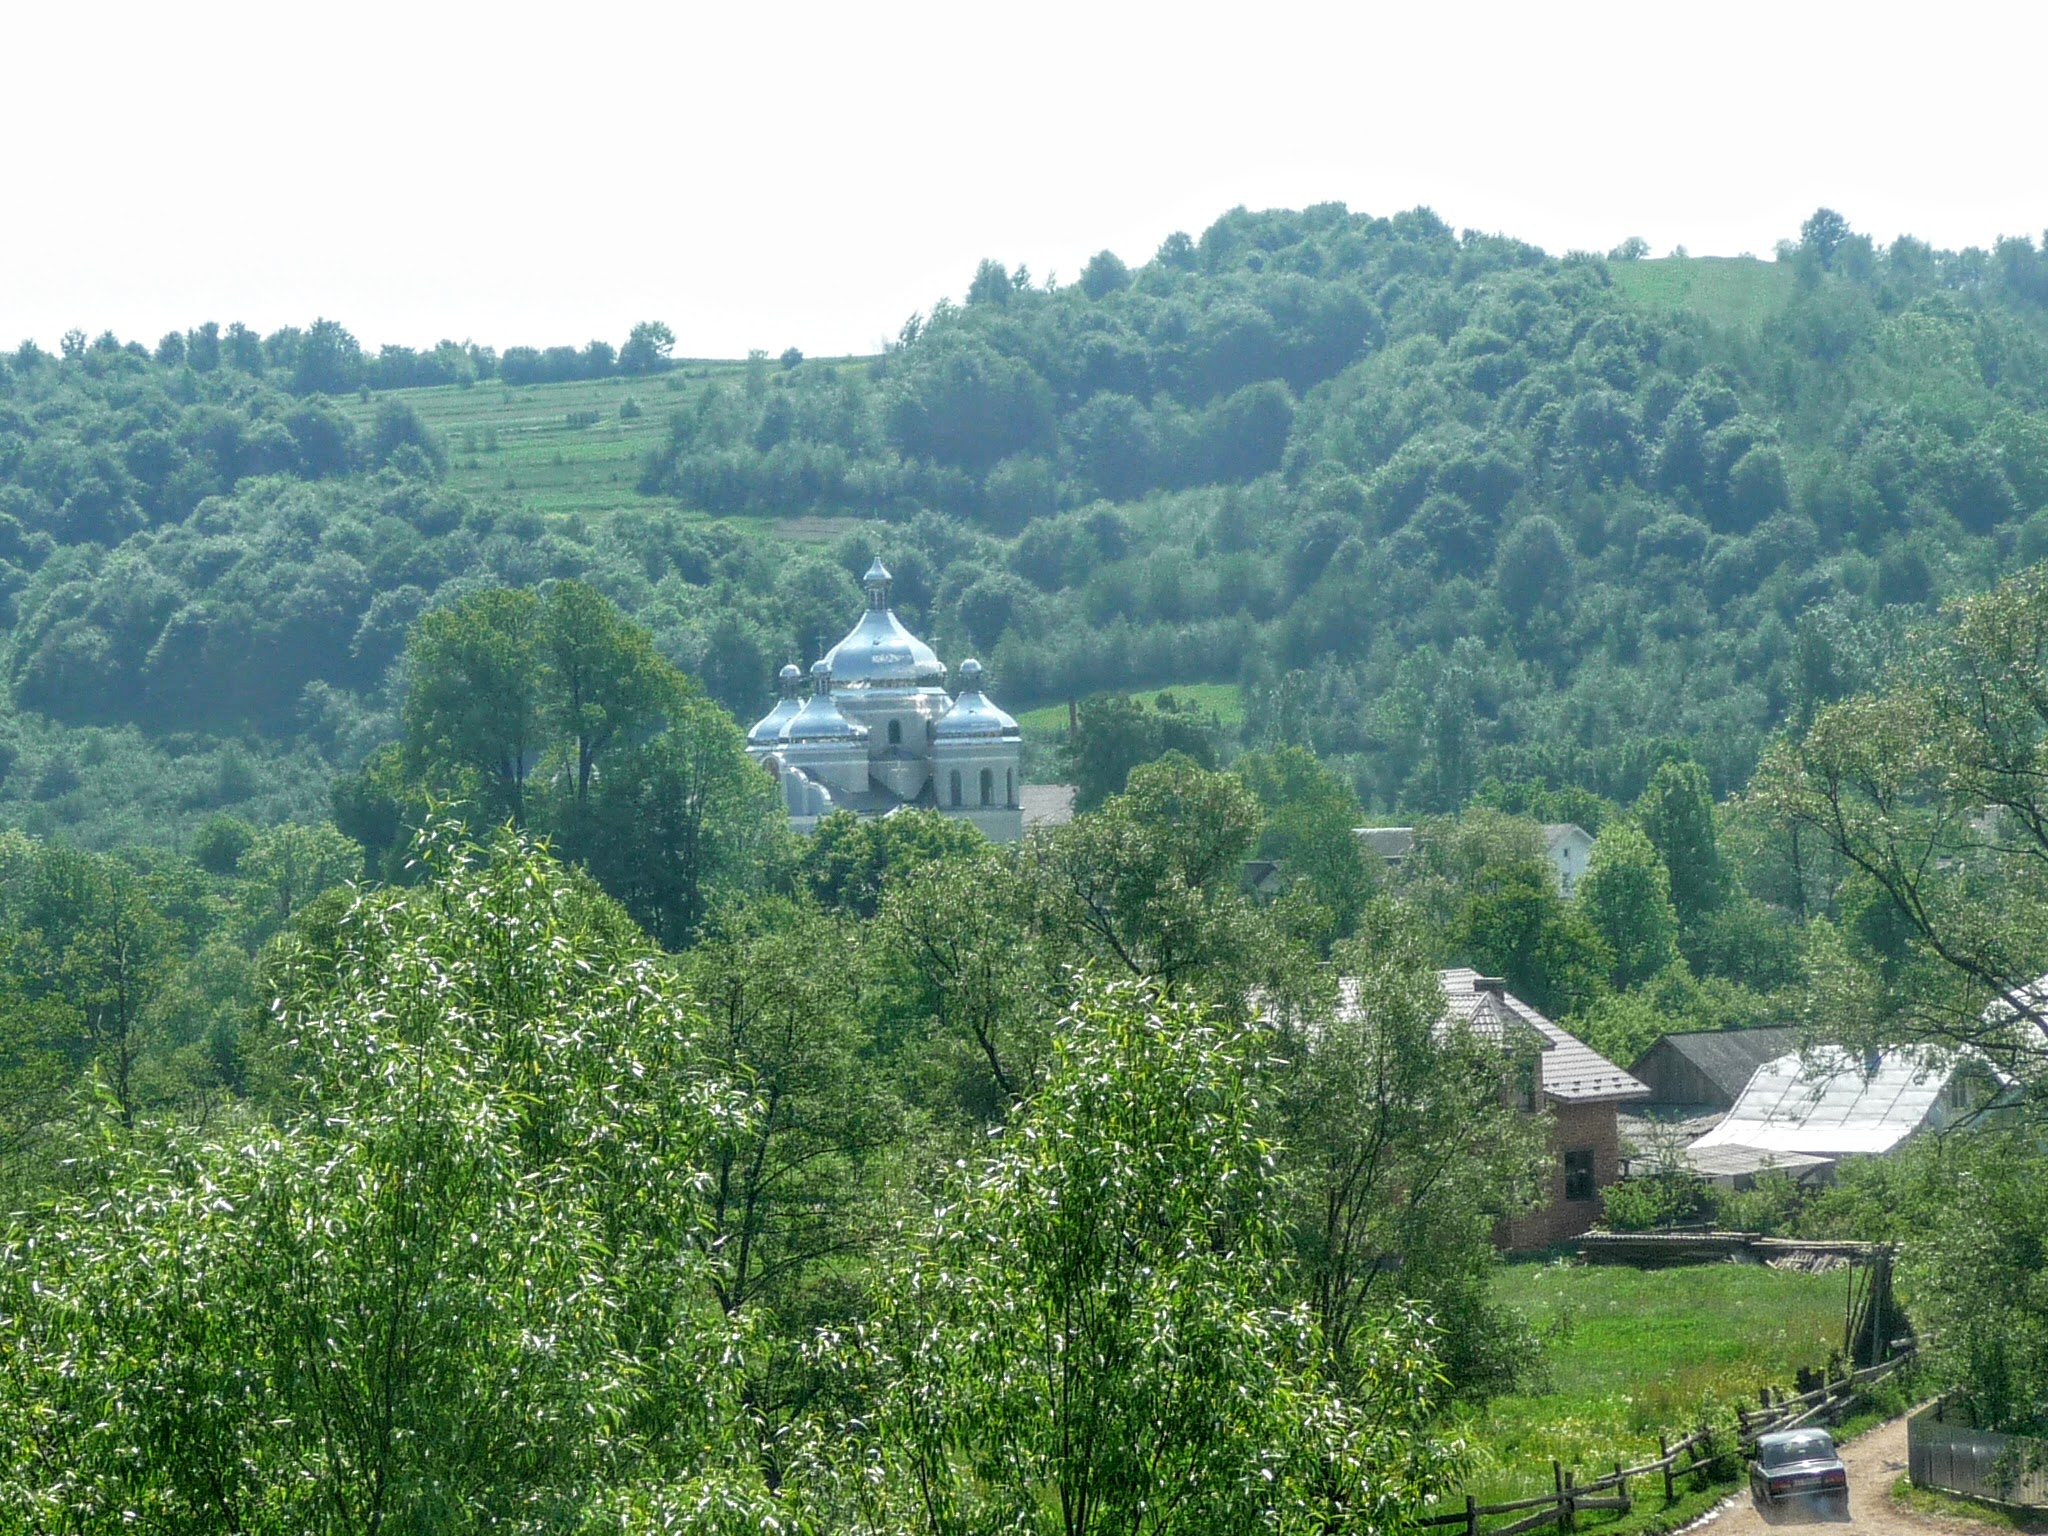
x,y
1572,1071
1737,1162
1727,1058
1046,805
1831,1103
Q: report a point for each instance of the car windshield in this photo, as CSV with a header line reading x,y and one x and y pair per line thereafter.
x,y
1782,1453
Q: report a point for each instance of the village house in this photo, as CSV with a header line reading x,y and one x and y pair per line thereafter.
x,y
1550,1072
1566,846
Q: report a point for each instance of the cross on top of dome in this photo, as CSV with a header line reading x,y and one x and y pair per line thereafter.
x,y
878,652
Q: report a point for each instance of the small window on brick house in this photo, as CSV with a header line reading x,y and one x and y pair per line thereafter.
x,y
1578,1174
1528,1078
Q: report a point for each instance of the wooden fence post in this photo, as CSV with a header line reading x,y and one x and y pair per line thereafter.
x,y
1471,1516
1664,1455
1571,1505
1621,1483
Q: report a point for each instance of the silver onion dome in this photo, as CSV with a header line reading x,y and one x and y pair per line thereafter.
x,y
972,715
769,727
879,652
819,719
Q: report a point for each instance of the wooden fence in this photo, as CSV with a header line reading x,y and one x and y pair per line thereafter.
x,y
1569,1497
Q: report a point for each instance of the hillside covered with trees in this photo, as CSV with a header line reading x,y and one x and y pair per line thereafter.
x,y
1448,508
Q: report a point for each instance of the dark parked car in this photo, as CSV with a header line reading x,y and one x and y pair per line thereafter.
x,y
1798,1467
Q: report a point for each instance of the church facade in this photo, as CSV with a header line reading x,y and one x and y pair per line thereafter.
x,y
879,732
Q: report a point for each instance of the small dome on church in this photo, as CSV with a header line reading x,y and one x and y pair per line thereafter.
x,y
769,727
879,652
972,715
819,719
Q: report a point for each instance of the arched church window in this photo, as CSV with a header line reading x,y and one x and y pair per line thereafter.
x,y
988,786
956,786
895,733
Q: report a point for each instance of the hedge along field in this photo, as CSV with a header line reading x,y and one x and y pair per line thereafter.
x,y
1628,1354
573,447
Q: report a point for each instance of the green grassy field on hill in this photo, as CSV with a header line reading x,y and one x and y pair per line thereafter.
x,y
1728,291
1048,723
569,448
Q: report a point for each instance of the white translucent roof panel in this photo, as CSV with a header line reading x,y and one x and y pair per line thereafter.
x,y
1834,1104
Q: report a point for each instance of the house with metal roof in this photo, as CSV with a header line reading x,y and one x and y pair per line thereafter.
x,y
1556,1074
1805,1113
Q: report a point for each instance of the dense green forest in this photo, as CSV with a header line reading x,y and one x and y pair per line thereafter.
x,y
438,1092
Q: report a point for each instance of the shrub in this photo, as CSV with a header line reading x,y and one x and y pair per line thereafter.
x,y
1656,1200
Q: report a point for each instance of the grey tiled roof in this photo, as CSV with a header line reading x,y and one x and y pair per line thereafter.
x,y
1388,842
1573,1072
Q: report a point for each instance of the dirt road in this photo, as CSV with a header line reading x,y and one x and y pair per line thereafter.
x,y
1876,1460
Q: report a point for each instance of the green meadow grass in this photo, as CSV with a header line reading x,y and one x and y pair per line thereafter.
x,y
519,442
1631,1353
1223,700
1728,291
1950,1507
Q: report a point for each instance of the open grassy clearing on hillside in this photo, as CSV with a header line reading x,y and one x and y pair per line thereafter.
x,y
572,447
1629,1353
1223,700
1733,291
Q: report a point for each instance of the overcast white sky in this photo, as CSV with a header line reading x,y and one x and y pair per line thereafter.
x,y
778,174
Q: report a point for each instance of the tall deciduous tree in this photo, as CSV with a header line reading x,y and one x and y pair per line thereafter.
x,y
1929,792
1626,894
1088,1338
1676,812
464,1288
606,682
1151,884
1310,817
1405,1151
680,819
476,698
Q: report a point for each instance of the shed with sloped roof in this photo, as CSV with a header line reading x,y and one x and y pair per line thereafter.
x,y
1708,1068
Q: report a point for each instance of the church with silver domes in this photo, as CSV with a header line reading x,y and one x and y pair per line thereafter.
x,y
879,732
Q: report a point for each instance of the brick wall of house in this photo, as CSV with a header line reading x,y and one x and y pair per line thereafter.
x,y
1573,1127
